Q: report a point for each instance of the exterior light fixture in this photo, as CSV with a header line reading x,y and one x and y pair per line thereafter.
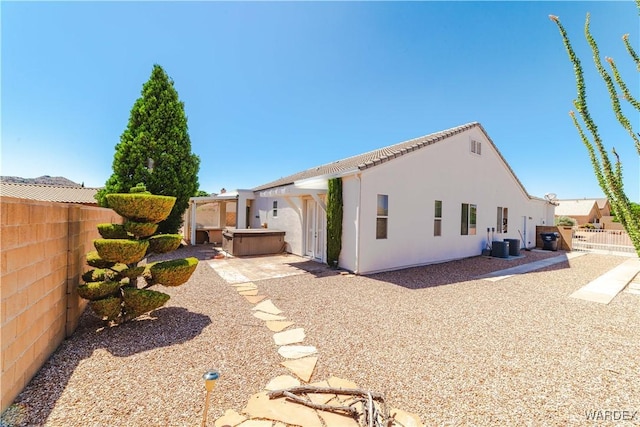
x,y
210,377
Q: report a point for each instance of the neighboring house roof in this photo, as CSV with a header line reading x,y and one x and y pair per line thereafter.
x,y
576,207
379,156
602,203
49,193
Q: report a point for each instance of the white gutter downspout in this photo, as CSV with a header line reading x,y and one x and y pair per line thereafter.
x,y
358,210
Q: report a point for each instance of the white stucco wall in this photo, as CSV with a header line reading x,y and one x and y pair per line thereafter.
x,y
446,171
289,219
350,211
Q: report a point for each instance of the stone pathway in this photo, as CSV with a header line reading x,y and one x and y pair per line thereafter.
x,y
526,268
300,359
606,287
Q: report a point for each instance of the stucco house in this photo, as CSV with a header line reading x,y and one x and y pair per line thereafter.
x,y
50,193
431,199
584,211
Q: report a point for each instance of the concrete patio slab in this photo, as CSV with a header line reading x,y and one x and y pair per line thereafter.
x,y
604,289
526,268
248,269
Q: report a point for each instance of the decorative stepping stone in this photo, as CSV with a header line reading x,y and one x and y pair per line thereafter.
x,y
241,285
282,381
303,368
319,398
256,423
296,351
254,299
291,336
405,418
268,307
252,292
281,409
266,316
341,383
230,418
246,288
278,325
336,419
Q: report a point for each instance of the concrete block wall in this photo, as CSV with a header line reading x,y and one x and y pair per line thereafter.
x,y
42,250
564,242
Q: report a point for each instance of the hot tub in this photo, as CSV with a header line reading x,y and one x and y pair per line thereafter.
x,y
258,241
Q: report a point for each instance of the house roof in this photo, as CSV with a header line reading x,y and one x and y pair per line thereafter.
x,y
379,156
577,207
49,193
602,203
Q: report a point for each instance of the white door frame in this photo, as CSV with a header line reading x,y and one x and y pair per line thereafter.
x,y
315,226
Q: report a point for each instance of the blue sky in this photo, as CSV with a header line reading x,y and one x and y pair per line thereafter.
x,y
272,88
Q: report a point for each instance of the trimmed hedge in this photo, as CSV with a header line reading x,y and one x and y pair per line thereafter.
x,y
97,290
112,231
94,260
171,273
140,301
108,308
121,250
163,243
141,207
140,229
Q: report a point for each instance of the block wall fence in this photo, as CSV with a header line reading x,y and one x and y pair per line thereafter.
x,y
42,257
564,242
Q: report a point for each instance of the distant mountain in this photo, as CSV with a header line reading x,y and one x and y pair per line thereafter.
x,y
43,180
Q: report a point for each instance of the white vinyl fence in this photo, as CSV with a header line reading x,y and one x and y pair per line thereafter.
x,y
615,242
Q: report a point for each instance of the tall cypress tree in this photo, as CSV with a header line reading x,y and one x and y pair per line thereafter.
x,y
334,221
155,150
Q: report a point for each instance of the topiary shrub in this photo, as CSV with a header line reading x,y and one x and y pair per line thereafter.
x,y
141,207
98,290
140,229
170,273
132,272
112,231
94,260
108,308
112,286
121,250
140,301
163,243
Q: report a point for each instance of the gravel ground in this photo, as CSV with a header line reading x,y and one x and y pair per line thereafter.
x,y
453,350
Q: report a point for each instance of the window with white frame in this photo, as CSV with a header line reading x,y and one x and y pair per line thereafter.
x,y
437,219
468,219
275,208
502,219
382,216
